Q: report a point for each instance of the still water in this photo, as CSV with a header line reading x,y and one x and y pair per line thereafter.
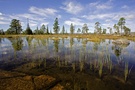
x,y
79,63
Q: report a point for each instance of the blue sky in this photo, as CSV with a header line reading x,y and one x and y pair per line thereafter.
x,y
78,12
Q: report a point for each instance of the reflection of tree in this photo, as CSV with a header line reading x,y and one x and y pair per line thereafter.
x,y
78,39
63,41
109,41
44,42
0,40
95,46
84,42
29,40
118,49
17,43
56,45
71,42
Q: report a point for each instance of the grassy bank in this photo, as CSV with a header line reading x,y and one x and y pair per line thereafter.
x,y
89,36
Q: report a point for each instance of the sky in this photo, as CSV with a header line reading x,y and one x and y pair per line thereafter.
x,y
78,12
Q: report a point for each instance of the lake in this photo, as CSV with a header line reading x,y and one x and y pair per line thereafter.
x,y
79,63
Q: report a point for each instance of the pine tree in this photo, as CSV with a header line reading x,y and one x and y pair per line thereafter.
x,y
56,26
28,30
63,30
47,30
43,29
15,27
72,28
79,30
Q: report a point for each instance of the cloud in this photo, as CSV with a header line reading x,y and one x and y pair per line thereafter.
x,y
4,19
0,13
112,16
72,7
126,15
125,7
101,6
75,21
30,16
4,22
43,11
1,18
109,19
97,16
45,23
93,4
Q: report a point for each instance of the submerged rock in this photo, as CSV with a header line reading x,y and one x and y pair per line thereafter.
x,y
121,41
18,81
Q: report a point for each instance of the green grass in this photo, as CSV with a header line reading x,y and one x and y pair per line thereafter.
x,y
81,66
73,66
126,72
92,37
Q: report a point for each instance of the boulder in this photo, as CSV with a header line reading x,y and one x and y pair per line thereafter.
x,y
19,81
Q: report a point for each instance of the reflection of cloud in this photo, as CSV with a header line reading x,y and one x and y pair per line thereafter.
x,y
67,45
4,45
4,52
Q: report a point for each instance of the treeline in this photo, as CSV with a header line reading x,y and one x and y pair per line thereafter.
x,y
16,28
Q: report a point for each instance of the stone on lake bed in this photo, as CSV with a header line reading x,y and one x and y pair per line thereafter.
x,y
19,81
121,41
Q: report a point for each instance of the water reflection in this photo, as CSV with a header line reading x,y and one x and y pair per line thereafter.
x,y
17,43
117,50
29,41
0,40
72,56
56,44
71,42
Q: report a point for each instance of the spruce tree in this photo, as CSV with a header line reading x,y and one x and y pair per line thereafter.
x,y
56,26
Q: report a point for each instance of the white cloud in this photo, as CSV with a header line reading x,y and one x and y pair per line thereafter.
x,y
72,7
4,19
74,21
13,16
111,16
59,16
4,22
126,15
33,24
93,4
34,19
125,7
45,23
0,13
97,16
43,11
1,18
30,16
101,6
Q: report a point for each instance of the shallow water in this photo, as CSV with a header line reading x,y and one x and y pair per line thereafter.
x,y
77,62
